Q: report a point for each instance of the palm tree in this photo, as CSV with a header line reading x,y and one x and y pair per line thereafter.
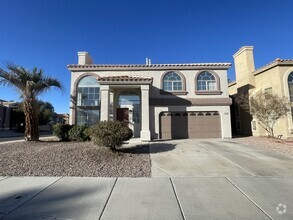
x,y
30,84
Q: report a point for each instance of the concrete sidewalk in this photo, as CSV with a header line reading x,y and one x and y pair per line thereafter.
x,y
146,198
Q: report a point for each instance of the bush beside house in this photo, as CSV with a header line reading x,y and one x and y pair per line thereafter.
x,y
62,131
110,134
79,133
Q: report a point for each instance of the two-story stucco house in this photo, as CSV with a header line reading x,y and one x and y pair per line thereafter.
x,y
275,77
157,101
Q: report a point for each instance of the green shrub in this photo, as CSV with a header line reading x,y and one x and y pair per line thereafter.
x,y
79,133
61,131
110,134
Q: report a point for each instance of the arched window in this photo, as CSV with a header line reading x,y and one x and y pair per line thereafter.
x,y
88,101
172,82
206,82
290,86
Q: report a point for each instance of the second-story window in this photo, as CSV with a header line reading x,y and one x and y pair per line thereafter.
x,y
172,82
290,85
88,101
206,82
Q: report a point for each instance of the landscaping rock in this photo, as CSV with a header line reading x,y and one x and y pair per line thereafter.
x,y
53,158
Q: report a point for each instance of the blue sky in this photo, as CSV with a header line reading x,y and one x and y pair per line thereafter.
x,y
49,33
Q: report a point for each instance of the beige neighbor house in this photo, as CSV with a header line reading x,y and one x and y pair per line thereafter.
x,y
157,101
275,77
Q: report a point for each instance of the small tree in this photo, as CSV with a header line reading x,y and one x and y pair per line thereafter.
x,y
266,107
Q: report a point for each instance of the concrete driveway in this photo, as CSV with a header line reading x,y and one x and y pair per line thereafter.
x,y
216,158
216,174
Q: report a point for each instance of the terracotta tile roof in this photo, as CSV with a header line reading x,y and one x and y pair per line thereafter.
x,y
276,62
95,66
124,78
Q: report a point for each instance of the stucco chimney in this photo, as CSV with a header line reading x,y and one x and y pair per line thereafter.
x,y
84,58
244,66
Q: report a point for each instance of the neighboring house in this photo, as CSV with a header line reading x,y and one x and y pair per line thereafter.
x,y
158,101
10,117
275,77
60,118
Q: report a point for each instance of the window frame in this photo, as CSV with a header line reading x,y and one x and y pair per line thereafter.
x,y
87,93
84,108
174,92
217,90
290,83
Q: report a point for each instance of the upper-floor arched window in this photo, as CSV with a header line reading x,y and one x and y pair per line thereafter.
x,y
172,82
88,92
206,82
290,86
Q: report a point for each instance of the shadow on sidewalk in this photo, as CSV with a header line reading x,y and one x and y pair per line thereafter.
x,y
27,204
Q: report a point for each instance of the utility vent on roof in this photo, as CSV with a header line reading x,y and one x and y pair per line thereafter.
x,y
148,61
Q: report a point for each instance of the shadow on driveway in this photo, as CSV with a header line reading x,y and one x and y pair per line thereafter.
x,y
145,148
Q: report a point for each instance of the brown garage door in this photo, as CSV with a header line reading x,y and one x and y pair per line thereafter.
x,y
176,125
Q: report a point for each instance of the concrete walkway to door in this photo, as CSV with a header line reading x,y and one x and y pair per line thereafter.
x,y
217,170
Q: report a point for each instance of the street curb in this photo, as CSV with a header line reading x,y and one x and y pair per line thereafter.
x,y
22,140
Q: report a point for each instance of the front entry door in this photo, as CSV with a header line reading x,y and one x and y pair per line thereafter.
x,y
123,115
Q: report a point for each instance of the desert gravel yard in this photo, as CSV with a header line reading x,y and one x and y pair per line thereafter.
x,y
53,158
280,146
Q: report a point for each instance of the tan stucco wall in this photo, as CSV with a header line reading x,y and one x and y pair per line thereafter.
x,y
232,90
244,66
155,93
157,75
276,78
273,75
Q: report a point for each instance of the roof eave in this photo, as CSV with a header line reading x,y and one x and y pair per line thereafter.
x,y
232,83
272,65
128,68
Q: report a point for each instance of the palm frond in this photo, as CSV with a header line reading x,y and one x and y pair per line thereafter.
x,y
46,84
30,84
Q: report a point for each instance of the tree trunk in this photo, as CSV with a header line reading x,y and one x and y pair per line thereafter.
x,y
31,120
272,132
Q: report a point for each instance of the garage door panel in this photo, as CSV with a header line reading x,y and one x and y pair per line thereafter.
x,y
166,126
175,125
179,126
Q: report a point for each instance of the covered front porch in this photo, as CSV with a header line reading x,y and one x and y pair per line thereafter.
x,y
126,98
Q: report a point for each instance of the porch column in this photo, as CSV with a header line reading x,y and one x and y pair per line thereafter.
x,y
145,134
105,102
